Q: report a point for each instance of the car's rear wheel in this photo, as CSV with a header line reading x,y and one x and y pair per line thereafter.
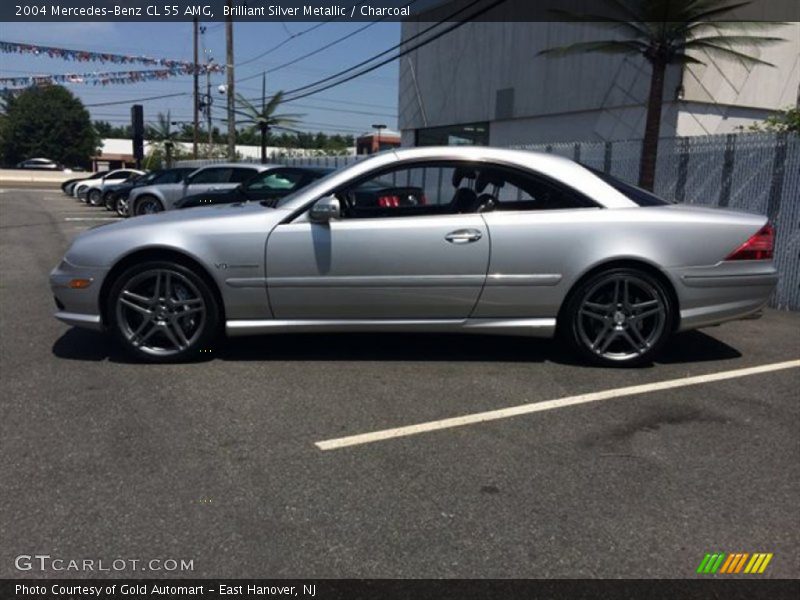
x,y
163,311
619,317
94,197
148,205
109,201
121,207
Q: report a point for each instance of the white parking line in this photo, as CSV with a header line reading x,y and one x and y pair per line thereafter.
x,y
92,218
525,409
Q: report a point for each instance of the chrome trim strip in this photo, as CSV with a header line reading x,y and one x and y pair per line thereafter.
x,y
246,282
745,280
80,320
525,279
515,326
382,281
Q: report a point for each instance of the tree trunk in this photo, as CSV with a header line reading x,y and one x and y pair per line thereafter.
x,y
263,143
652,128
168,152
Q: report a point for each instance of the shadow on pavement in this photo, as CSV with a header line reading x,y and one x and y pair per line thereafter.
x,y
694,346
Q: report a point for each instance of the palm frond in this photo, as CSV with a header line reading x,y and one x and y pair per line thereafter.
x,y
722,52
606,46
751,40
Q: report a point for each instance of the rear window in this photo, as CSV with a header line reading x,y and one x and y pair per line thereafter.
x,y
636,194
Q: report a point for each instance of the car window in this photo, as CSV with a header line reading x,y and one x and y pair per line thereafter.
x,y
638,195
274,181
452,187
122,175
239,175
212,175
509,189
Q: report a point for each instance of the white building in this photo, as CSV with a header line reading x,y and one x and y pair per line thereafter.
x,y
485,83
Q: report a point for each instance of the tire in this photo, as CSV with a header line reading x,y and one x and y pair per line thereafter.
x,y
121,207
93,197
618,318
147,205
109,201
163,311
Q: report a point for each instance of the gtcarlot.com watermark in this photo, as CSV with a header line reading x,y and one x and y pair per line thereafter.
x,y
44,562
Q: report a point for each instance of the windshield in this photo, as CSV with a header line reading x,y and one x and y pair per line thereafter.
x,y
636,194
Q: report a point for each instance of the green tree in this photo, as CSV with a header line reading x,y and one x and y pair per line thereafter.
x,y
784,121
49,122
264,119
162,136
665,32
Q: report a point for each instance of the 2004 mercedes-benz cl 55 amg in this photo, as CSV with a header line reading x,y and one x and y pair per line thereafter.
x,y
455,239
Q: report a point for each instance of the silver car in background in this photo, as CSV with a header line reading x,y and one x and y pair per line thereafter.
x,y
452,239
163,196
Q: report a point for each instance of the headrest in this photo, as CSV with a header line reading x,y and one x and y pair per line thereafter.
x,y
462,173
486,178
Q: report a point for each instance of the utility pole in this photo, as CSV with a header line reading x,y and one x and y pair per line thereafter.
x,y
196,73
264,125
209,100
230,86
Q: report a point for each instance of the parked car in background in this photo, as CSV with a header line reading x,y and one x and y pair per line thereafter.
x,y
268,186
157,198
116,196
91,190
507,242
40,164
68,187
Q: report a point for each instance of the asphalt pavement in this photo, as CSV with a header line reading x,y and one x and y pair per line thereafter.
x,y
217,462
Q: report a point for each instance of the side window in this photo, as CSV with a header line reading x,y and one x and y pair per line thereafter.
x,y
419,189
509,189
212,175
239,175
275,181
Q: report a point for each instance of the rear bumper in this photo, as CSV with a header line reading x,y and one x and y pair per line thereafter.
x,y
724,292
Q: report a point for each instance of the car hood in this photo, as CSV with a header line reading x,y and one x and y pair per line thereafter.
x,y
185,231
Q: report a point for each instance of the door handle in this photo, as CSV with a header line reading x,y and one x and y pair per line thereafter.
x,y
463,236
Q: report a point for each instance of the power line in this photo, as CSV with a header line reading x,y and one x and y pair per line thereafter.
x,y
138,99
393,58
396,46
284,42
333,43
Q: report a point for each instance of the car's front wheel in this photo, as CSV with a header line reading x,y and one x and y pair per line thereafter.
x,y
163,311
94,197
121,207
148,205
619,317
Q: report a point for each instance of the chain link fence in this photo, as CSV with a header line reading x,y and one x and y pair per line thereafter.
x,y
756,172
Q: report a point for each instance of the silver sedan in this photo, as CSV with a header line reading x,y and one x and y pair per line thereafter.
x,y
454,239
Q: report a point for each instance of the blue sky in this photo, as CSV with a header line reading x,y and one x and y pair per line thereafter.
x,y
374,93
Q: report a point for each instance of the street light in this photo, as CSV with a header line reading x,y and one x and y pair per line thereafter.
x,y
379,127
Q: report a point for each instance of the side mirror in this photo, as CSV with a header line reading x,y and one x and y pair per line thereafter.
x,y
325,209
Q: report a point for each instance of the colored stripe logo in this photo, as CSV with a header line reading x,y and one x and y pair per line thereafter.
x,y
734,563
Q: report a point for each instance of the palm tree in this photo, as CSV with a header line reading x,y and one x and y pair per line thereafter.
x,y
263,119
161,134
665,32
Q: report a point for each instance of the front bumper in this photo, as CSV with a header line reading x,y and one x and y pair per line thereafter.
x,y
77,307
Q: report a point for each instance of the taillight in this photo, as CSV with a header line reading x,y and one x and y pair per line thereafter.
x,y
759,247
389,201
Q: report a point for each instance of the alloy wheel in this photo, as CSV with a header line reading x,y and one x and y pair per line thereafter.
x,y
148,206
161,312
621,317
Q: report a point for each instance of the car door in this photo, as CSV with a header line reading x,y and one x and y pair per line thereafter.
x,y
393,262
205,180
